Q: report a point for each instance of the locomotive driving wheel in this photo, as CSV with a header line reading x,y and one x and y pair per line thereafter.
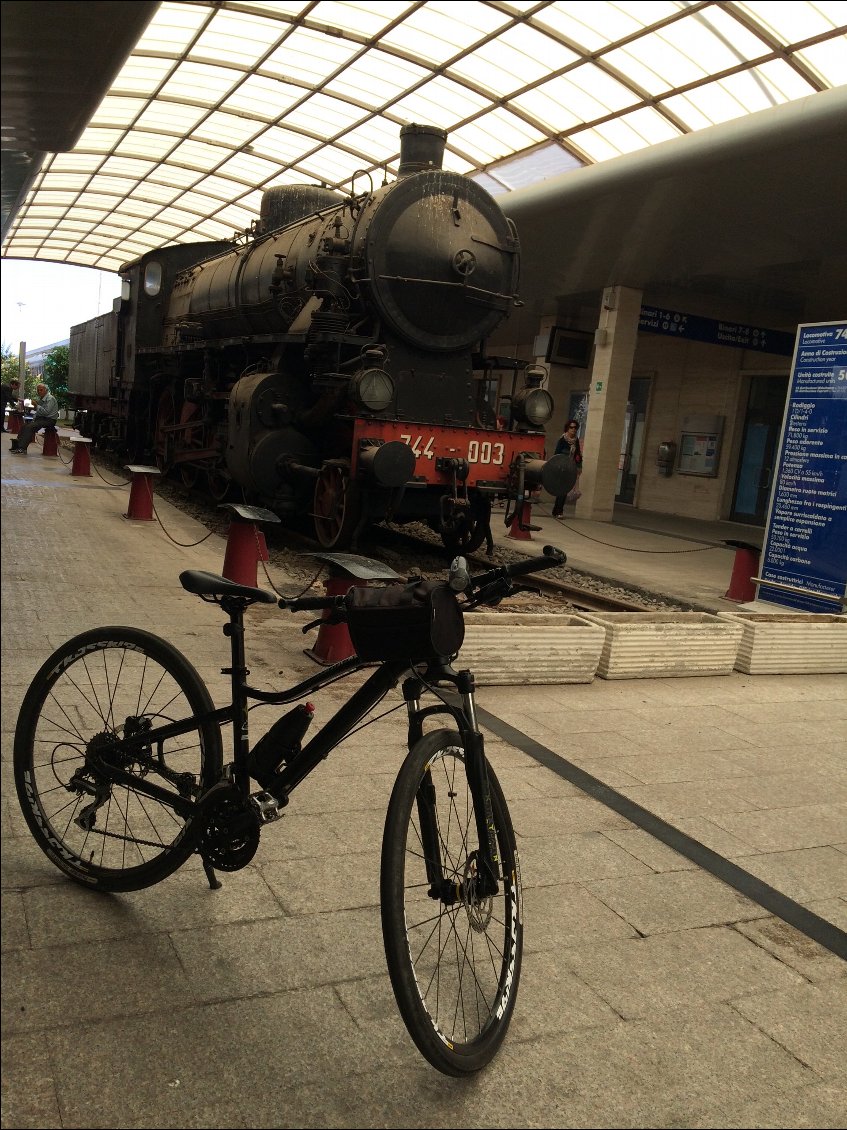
x,y
337,505
189,474
162,440
192,437
218,480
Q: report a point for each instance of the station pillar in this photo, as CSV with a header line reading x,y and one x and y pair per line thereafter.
x,y
614,351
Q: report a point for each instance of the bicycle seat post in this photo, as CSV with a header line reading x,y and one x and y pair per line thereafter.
x,y
238,672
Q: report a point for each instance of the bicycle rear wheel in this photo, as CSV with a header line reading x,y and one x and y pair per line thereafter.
x,y
454,958
97,688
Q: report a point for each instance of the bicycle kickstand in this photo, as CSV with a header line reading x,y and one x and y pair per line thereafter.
x,y
214,882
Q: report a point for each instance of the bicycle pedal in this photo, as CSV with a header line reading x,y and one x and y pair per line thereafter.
x,y
267,806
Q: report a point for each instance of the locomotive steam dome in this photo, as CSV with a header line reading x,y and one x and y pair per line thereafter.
x,y
442,259
287,203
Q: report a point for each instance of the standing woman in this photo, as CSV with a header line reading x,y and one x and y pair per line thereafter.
x,y
568,444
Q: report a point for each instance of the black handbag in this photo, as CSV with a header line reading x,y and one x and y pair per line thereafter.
x,y
413,622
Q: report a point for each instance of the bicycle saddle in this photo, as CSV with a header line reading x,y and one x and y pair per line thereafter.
x,y
210,584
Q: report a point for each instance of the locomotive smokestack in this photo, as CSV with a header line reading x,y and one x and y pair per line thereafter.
x,y
421,147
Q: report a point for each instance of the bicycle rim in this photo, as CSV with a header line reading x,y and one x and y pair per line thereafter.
x,y
97,688
454,966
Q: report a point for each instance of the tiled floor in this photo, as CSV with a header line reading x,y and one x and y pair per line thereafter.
x,y
653,994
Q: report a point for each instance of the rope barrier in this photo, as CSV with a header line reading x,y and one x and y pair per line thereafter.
x,y
627,548
169,536
67,462
264,565
114,486
273,586
548,513
126,482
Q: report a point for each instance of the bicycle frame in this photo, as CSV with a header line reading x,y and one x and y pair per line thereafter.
x,y
383,679
123,777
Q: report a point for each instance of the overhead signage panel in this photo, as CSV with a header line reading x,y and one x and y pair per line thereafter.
x,y
714,331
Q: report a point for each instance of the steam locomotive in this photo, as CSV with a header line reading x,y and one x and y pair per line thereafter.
x,y
331,362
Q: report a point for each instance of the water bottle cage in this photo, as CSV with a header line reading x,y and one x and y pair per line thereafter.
x,y
280,744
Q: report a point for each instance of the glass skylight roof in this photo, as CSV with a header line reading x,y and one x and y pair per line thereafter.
x,y
221,100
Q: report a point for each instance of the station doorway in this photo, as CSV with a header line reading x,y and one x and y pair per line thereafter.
x,y
632,439
758,454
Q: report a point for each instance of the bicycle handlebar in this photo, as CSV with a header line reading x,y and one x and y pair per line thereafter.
x,y
310,603
552,558
489,586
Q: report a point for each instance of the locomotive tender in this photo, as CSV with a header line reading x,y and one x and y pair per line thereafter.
x,y
332,361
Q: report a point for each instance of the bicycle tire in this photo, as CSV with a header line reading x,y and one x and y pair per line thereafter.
x,y
93,687
454,969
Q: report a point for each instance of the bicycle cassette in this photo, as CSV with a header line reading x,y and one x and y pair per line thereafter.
x,y
228,828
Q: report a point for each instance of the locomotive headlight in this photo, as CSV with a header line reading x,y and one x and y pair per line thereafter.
x,y
533,406
373,388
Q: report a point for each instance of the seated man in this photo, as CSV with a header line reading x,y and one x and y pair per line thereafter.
x,y
46,415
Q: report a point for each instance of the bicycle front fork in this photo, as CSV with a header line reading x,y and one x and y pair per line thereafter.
x,y
476,767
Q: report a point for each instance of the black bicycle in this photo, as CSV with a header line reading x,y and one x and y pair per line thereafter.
x,y
119,768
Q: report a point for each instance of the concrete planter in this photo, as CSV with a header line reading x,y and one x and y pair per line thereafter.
x,y
503,648
656,645
790,643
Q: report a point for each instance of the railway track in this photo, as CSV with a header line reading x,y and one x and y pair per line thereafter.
x,y
578,597
582,599
406,552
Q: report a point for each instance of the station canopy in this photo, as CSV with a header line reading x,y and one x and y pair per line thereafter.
x,y
218,101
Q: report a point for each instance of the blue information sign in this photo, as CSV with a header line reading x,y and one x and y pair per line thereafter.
x,y
692,327
805,550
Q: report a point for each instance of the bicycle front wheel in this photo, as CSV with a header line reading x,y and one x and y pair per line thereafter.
x,y
99,687
454,957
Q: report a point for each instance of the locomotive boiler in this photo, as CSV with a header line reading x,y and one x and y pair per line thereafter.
x,y
332,362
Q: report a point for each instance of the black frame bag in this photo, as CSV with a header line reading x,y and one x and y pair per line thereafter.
x,y
412,622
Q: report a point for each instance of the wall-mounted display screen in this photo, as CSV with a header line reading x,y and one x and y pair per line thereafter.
x,y
569,347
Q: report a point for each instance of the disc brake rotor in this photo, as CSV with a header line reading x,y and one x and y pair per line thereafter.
x,y
479,910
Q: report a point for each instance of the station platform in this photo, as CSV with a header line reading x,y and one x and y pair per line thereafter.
x,y
683,846
685,559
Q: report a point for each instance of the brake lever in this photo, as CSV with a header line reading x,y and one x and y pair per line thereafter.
x,y
490,594
335,617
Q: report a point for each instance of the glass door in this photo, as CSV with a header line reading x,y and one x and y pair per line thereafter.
x,y
629,459
757,458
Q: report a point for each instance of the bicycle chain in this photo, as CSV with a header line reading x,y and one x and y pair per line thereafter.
x,y
128,839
